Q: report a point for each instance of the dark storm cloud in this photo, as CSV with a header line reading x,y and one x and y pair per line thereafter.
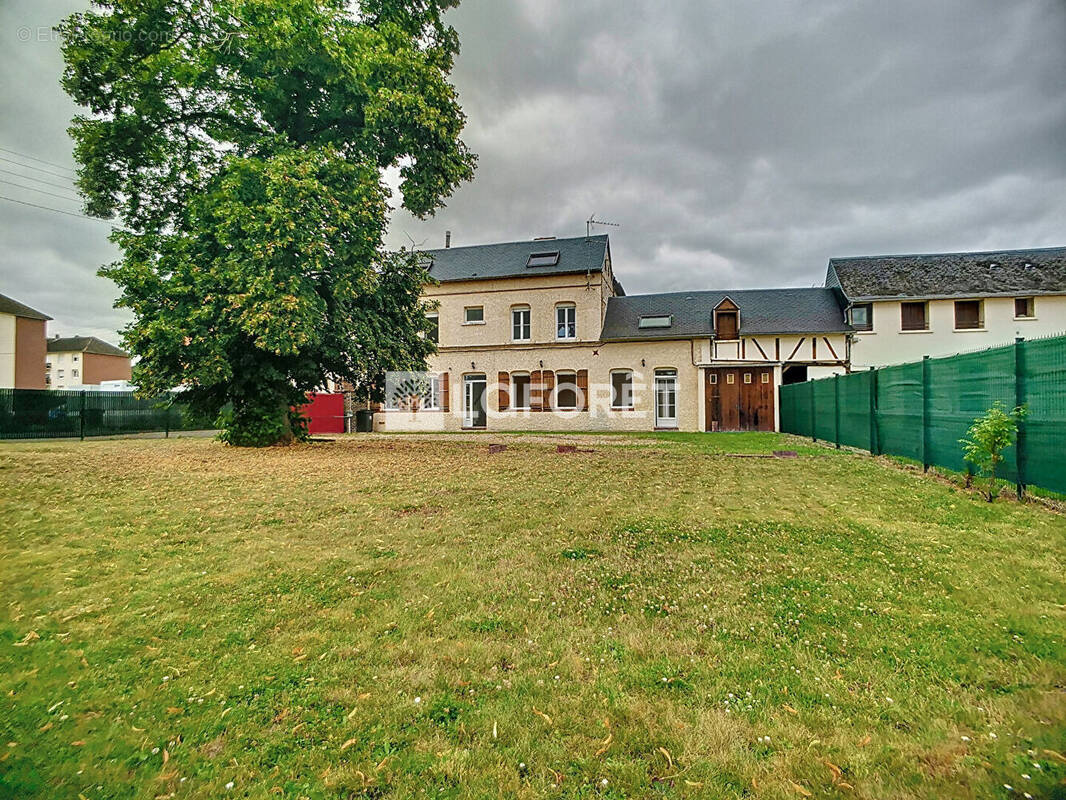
x,y
744,144
738,144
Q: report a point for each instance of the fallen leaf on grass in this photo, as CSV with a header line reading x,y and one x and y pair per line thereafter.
x,y
789,709
542,715
1055,755
694,784
348,744
669,758
838,773
801,790
45,727
865,740
605,745
79,743
32,636
175,710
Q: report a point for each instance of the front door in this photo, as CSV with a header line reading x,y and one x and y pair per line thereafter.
x,y
665,399
474,401
740,399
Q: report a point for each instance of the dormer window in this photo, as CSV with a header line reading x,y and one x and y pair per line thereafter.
x,y
727,320
548,259
657,321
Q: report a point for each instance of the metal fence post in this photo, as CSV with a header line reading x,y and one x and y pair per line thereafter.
x,y
81,416
925,413
836,410
1019,401
814,431
874,444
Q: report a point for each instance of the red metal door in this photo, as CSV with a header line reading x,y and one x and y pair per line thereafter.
x,y
325,412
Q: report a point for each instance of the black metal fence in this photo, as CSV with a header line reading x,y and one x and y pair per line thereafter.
x,y
55,414
920,410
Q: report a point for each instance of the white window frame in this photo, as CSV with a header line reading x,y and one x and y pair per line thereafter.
x,y
665,380
563,310
430,400
559,384
514,398
629,373
466,315
518,325
435,316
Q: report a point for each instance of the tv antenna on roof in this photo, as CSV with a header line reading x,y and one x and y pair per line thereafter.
x,y
593,221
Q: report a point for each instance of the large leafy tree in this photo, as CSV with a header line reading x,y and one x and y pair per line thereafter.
x,y
243,144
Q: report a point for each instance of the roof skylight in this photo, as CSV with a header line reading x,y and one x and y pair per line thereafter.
x,y
656,321
548,259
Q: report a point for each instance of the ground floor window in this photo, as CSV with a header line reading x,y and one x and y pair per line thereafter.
x,y
520,390
621,389
566,391
414,393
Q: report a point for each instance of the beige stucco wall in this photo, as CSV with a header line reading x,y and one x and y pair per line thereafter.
x,y
498,297
599,359
887,344
7,351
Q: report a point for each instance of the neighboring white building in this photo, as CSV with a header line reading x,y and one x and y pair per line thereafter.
x,y
905,307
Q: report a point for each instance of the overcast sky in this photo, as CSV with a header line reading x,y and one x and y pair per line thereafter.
x,y
736,144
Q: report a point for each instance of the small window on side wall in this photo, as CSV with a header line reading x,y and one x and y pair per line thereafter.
x,y
913,316
473,315
862,317
433,332
1024,308
622,389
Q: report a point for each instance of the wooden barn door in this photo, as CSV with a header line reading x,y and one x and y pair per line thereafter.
x,y
740,399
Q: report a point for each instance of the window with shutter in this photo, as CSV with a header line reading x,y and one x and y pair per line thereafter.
x,y
566,394
913,316
583,389
967,314
520,390
444,391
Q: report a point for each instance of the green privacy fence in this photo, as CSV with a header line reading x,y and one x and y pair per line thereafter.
x,y
53,414
921,410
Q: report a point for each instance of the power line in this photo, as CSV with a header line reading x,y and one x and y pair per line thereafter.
x,y
49,208
35,180
34,189
34,158
28,166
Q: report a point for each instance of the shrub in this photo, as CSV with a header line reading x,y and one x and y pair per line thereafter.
x,y
987,438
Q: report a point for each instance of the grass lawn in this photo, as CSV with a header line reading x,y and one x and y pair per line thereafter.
x,y
381,617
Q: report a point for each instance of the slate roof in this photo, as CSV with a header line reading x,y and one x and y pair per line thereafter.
x,y
762,311
999,272
11,306
508,259
84,344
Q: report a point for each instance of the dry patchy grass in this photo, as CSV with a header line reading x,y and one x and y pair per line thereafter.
x,y
417,618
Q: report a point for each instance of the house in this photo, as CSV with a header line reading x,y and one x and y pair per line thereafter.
x,y
22,345
75,361
540,335
904,307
